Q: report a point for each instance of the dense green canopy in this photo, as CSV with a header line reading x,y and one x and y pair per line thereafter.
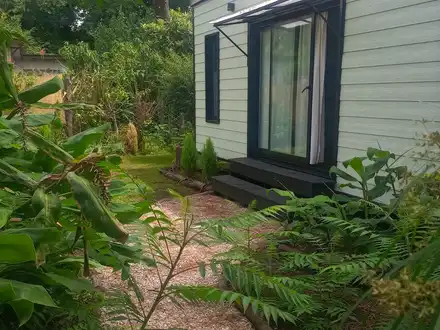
x,y
54,22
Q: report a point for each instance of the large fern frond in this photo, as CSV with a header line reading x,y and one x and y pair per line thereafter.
x,y
253,283
296,260
197,294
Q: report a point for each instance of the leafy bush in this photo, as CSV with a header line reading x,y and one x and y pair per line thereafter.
x,y
175,34
55,218
189,155
176,91
209,160
380,161
134,60
331,257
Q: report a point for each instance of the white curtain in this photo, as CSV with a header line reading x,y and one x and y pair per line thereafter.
x,y
290,76
283,65
302,94
317,127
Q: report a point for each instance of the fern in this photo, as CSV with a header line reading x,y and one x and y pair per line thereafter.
x,y
297,260
253,283
197,294
350,227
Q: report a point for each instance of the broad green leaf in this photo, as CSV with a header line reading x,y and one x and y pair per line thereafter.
x,y
342,174
46,206
373,169
23,309
16,175
6,75
64,106
350,185
78,143
122,208
36,93
20,163
42,119
283,193
357,165
9,139
4,216
30,292
114,159
16,248
48,147
32,120
378,191
47,164
78,260
133,254
6,292
73,284
94,210
37,235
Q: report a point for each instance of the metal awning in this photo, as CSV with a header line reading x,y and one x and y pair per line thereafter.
x,y
265,9
268,9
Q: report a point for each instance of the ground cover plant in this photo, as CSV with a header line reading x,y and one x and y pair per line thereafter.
x,y
337,255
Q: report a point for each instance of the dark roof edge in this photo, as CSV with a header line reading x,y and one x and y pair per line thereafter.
x,y
198,2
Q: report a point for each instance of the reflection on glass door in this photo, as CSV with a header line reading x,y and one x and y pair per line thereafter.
x,y
284,87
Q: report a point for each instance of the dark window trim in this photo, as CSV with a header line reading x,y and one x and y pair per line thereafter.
x,y
212,106
332,86
194,115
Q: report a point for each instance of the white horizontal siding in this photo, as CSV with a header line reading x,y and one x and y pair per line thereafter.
x,y
398,92
406,35
402,73
410,111
229,115
361,8
230,135
390,93
426,12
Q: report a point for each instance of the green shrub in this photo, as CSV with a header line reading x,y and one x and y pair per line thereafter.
x,y
189,155
209,160
176,89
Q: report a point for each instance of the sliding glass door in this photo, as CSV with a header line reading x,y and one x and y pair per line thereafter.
x,y
294,75
285,63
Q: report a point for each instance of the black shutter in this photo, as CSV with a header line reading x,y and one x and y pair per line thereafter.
x,y
212,77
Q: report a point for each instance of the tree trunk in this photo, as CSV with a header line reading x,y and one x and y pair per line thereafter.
x,y
162,9
68,116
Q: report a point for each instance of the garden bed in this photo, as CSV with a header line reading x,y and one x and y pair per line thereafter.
x,y
147,168
188,182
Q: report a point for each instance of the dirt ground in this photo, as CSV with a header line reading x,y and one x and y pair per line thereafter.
x,y
191,317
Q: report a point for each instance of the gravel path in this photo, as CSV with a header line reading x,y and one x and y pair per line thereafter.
x,y
192,317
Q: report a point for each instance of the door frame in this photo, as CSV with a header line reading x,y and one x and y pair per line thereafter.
x,y
332,87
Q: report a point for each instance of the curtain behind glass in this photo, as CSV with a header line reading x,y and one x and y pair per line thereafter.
x,y
317,142
265,89
283,77
290,78
302,94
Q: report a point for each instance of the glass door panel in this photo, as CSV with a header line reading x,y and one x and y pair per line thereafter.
x,y
284,87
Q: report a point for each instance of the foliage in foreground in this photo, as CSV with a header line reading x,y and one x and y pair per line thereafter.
x,y
209,160
333,256
189,155
58,219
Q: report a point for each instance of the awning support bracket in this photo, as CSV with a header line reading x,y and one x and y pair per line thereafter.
x,y
232,41
323,18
